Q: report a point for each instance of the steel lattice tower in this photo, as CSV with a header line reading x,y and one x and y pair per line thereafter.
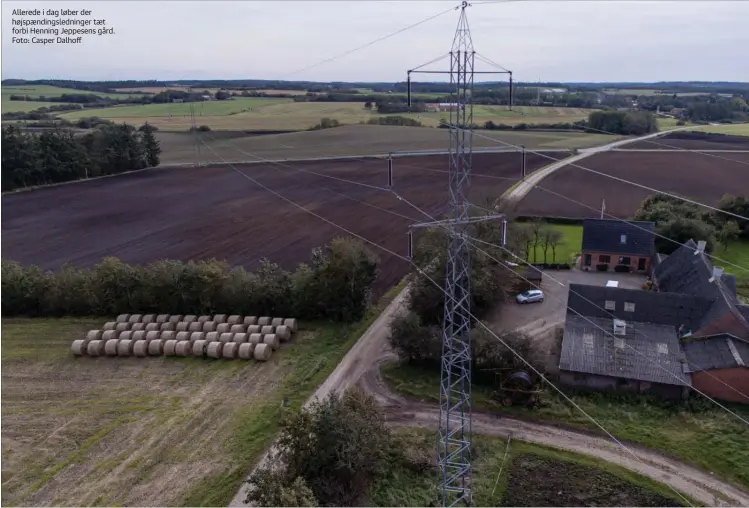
x,y
454,435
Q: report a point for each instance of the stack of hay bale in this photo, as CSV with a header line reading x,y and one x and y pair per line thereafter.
x,y
218,336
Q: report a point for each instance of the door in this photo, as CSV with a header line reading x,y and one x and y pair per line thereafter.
x,y
587,260
641,265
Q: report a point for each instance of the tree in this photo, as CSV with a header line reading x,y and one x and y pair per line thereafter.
x,y
536,232
546,241
681,230
368,105
151,145
334,449
730,231
554,238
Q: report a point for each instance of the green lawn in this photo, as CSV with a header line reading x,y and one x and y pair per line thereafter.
x,y
513,480
738,254
9,106
707,436
568,248
34,91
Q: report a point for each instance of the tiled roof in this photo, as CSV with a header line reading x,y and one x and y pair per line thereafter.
x,y
722,351
605,235
654,307
647,352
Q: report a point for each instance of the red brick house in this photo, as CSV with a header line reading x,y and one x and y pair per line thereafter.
x,y
719,366
608,243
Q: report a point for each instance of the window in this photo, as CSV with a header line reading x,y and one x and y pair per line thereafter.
x,y
610,305
623,239
625,260
604,259
629,306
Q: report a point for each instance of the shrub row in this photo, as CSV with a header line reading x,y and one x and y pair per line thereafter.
x,y
336,285
553,266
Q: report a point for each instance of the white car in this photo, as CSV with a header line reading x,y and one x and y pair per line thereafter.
x,y
530,296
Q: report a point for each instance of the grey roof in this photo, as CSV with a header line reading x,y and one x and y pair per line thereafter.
x,y
722,351
729,280
687,273
647,352
655,307
744,310
604,235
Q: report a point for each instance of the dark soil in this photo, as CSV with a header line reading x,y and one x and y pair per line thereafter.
x,y
694,141
540,481
696,176
214,212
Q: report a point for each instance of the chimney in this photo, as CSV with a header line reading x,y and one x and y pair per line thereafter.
x,y
620,327
717,274
700,247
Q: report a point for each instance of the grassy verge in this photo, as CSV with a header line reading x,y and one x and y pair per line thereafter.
x,y
706,436
255,428
529,475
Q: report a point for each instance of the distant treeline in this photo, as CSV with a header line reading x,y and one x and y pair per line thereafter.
x,y
60,155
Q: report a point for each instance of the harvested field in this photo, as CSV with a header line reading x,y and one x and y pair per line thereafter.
x,y
213,212
352,140
700,177
694,141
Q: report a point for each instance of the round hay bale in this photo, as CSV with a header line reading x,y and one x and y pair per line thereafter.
x,y
277,321
223,327
291,323
121,327
230,350
254,329
148,318
283,333
123,318
240,338
267,330
183,348
162,318
198,348
255,338
170,348
203,319
153,327
167,326
175,318
139,335
78,348
140,348
110,347
196,336
234,319
220,318
109,335
272,340
152,335
250,320
94,335
210,326
195,327
183,336
237,329
245,351
135,318
182,326
225,337
96,348
190,318
125,347
211,337
111,325
262,352
126,335
263,321
214,349
156,347
168,335
136,327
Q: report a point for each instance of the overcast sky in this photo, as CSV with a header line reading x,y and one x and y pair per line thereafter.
x,y
548,40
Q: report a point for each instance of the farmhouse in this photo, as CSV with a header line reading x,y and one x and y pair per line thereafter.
x,y
614,244
449,106
719,366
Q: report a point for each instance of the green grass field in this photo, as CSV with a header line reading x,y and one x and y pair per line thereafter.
x,y
34,91
9,106
568,248
114,431
510,477
739,129
710,438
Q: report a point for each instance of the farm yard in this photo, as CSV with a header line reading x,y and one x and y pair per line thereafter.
x,y
213,212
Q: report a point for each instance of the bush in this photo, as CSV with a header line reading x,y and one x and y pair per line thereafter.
x,y
622,268
602,267
336,287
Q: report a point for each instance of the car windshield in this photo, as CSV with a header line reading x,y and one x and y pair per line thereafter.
x,y
527,293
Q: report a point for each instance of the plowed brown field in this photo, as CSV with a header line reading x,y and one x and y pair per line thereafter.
x,y
201,213
700,177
